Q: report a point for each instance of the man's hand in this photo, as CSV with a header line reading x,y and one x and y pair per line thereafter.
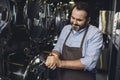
x,y
53,60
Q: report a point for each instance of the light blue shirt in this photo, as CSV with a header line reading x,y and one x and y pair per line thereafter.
x,y
91,47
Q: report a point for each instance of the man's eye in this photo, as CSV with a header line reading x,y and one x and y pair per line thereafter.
x,y
79,20
73,18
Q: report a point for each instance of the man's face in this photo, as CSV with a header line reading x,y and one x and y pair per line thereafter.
x,y
78,19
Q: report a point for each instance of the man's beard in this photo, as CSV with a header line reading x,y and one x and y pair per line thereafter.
x,y
78,27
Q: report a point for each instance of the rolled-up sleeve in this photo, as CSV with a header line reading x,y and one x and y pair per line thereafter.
x,y
93,50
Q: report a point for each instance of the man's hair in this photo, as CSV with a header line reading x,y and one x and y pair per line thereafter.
x,y
82,6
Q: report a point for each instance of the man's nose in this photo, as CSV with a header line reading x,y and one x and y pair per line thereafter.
x,y
75,22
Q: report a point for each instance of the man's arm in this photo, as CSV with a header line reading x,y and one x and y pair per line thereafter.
x,y
53,61
71,64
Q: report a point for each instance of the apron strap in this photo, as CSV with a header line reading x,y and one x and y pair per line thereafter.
x,y
84,37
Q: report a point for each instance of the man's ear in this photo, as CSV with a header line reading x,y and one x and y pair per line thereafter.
x,y
88,20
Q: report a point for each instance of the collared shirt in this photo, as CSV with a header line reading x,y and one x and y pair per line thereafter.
x,y
91,47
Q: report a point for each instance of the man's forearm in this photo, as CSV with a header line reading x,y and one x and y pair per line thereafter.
x,y
71,64
68,64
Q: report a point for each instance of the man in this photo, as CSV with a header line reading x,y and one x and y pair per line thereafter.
x,y
78,47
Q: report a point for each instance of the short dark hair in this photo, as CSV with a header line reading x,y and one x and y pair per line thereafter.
x,y
82,6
